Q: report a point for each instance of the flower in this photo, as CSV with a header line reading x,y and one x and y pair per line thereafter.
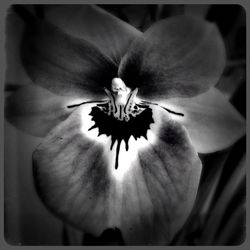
x,y
127,159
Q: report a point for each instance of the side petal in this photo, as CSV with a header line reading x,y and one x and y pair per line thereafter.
x,y
108,33
212,122
64,64
176,57
148,197
36,110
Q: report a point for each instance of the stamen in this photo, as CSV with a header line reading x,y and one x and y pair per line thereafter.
x,y
87,102
168,110
121,102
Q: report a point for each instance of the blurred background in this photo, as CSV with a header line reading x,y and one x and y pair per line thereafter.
x,y
219,214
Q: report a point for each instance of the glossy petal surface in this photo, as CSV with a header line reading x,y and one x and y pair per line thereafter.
x,y
212,122
64,64
110,34
36,110
176,57
148,197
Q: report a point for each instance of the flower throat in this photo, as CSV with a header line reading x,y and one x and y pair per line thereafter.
x,y
121,117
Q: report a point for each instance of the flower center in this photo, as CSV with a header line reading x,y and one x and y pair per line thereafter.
x,y
122,101
121,116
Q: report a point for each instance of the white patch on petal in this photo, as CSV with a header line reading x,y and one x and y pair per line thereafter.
x,y
127,159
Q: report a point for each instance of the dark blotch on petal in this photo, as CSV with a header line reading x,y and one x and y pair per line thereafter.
x,y
178,56
65,65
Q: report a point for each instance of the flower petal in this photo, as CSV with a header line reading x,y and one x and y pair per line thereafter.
x,y
178,56
148,197
36,110
111,35
63,64
212,122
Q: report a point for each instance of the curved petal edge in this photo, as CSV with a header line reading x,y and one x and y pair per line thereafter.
x,y
211,120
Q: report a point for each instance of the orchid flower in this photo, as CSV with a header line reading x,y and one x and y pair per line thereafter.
x,y
124,115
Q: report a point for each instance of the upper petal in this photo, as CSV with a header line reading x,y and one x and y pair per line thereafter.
x,y
36,110
64,64
212,122
178,56
148,197
110,34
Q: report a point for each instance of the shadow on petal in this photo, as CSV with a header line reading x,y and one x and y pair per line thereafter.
x,y
64,64
180,56
108,33
36,110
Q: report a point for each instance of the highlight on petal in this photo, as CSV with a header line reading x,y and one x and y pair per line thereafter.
x,y
180,56
212,122
108,33
64,64
36,110
148,197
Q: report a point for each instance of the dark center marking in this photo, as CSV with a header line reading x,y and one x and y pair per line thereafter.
x,y
119,131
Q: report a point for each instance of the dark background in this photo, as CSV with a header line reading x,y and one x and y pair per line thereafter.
x,y
219,214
